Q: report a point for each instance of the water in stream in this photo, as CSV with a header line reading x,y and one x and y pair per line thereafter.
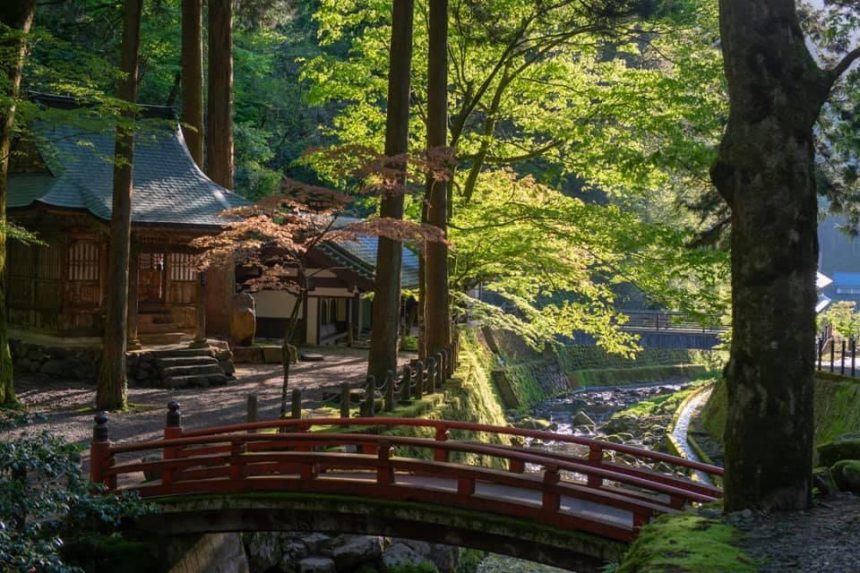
x,y
565,415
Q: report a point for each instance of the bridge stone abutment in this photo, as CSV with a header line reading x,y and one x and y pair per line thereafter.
x,y
194,516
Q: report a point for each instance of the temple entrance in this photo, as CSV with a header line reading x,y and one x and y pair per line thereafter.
x,y
152,279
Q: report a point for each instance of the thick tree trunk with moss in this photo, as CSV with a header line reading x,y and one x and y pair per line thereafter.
x,y
18,17
386,298
219,125
436,304
111,393
192,78
765,173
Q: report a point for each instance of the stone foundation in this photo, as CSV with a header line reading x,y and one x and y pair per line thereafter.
x,y
73,364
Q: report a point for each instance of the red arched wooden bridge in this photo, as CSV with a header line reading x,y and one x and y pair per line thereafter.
x,y
352,458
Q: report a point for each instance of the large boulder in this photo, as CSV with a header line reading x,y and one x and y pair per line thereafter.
x,y
350,551
846,474
400,556
317,565
243,320
846,447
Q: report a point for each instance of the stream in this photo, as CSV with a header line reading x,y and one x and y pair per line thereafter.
x,y
585,412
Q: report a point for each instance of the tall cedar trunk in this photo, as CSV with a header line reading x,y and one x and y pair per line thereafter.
x,y
436,304
765,173
18,16
219,127
389,255
111,393
192,77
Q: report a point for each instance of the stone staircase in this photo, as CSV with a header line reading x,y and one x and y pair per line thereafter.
x,y
182,367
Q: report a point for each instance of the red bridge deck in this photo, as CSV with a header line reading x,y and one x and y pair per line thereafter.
x,y
587,493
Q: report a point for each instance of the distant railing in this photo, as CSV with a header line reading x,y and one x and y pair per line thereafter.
x,y
836,355
661,321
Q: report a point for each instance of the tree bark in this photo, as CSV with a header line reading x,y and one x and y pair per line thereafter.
x,y
765,173
437,318
192,78
219,125
111,393
386,300
18,16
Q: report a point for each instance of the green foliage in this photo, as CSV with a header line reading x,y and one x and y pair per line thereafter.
x,y
45,501
842,318
686,543
469,560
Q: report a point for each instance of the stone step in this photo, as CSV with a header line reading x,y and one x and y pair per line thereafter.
x,y
196,381
193,360
192,370
182,353
161,338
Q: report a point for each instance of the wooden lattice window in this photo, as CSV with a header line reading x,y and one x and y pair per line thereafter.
x,y
182,267
84,261
151,261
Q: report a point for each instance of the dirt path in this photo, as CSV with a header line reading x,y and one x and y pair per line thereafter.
x,y
66,408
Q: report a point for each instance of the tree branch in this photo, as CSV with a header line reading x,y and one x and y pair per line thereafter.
x,y
843,65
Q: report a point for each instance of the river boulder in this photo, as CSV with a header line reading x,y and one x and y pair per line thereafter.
x,y
845,447
846,474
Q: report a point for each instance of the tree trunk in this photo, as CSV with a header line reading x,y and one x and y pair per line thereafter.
x,y
192,78
386,299
111,393
436,305
17,16
219,127
765,173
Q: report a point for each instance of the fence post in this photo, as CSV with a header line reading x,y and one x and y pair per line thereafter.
x,y
389,391
431,374
832,353
853,355
100,450
344,400
842,359
384,471
820,351
419,374
406,385
443,367
440,373
296,405
252,414
369,409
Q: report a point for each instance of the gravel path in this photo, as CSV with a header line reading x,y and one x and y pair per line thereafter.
x,y
823,539
65,409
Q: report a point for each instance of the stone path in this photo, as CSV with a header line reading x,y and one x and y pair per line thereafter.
x,y
66,409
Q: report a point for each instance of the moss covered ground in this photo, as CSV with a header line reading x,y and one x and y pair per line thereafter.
x,y
686,543
836,411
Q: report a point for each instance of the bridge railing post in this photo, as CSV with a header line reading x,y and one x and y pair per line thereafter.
x,y
384,471
172,429
595,457
100,456
515,465
441,454
551,501
237,461
389,391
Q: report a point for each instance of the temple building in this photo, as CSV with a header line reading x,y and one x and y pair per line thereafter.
x,y
60,188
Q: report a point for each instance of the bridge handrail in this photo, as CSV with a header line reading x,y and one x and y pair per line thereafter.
x,y
332,439
442,426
